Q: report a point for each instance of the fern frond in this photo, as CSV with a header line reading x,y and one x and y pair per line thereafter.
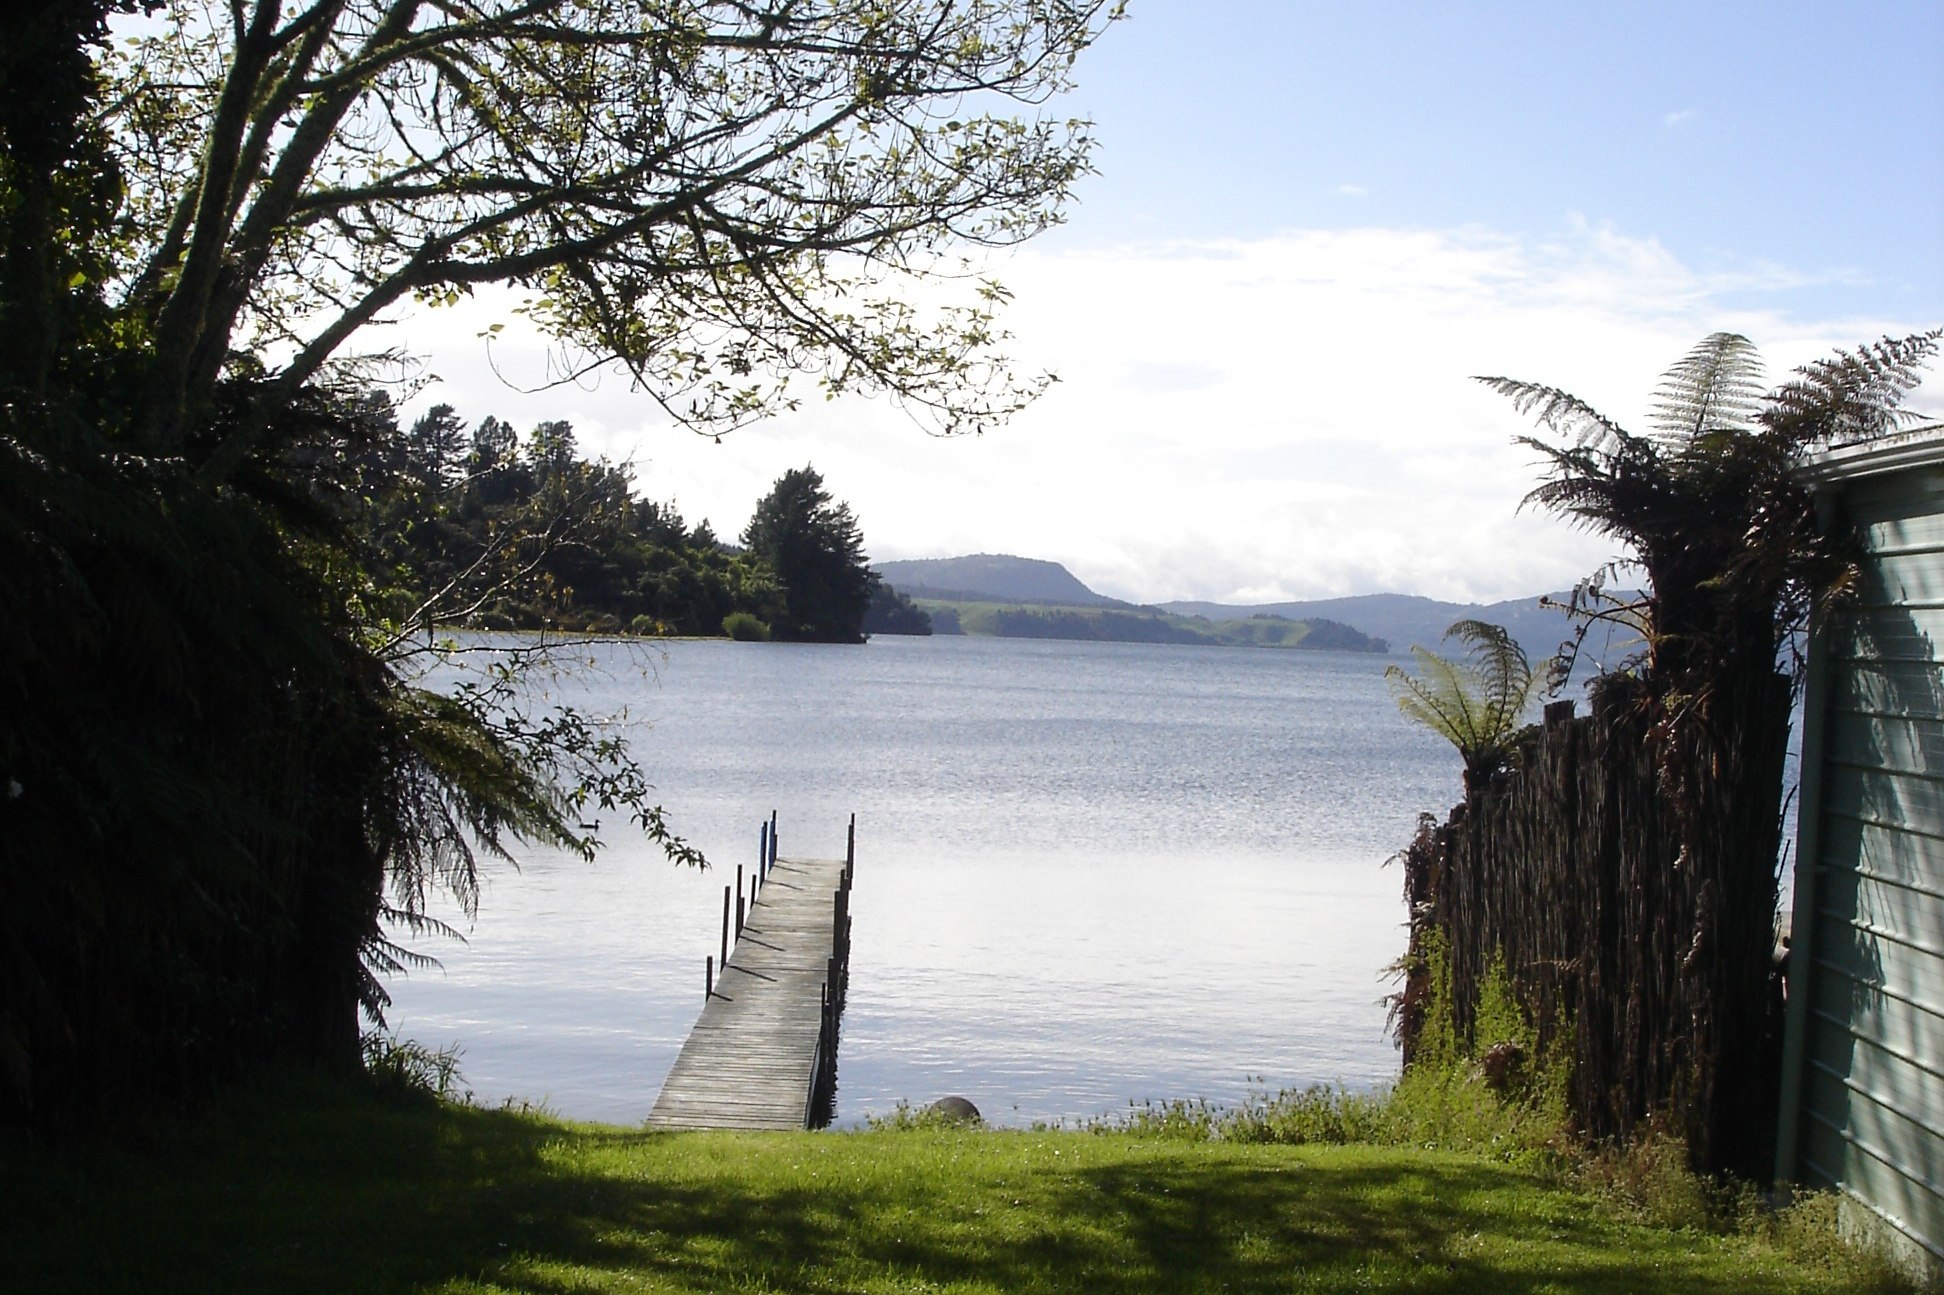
x,y
1500,665
1476,701
1439,697
1851,396
390,958
419,923
1715,387
1562,413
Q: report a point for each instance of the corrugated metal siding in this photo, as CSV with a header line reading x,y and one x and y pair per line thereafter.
x,y
1868,1051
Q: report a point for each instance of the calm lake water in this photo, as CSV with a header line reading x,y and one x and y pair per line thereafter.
x,y
1087,874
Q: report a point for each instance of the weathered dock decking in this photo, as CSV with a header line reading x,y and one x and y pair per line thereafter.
x,y
763,1053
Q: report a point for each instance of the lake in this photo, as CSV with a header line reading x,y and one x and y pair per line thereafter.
x,y
1088,874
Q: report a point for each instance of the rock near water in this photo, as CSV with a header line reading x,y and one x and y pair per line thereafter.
x,y
956,1109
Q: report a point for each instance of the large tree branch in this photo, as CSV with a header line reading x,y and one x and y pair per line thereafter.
x,y
431,266
178,325
282,97
439,144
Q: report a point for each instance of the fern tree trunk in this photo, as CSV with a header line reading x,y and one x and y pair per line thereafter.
x,y
1721,740
1723,771
190,752
340,880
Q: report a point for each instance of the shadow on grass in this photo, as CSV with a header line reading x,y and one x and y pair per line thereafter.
x,y
330,1192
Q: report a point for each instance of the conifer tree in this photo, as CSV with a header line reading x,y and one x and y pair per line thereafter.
x,y
817,551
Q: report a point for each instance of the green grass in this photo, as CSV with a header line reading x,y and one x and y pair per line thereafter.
x,y
312,1189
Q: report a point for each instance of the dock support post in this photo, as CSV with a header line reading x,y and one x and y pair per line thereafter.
x,y
739,901
708,978
839,938
772,839
762,849
725,928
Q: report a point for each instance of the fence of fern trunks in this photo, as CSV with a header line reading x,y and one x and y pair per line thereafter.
x,y
1625,871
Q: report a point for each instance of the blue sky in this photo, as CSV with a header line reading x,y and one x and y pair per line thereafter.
x,y
1807,136
1311,224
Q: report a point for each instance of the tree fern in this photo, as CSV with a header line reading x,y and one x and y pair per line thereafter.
x,y
1850,396
1476,701
1716,387
1706,503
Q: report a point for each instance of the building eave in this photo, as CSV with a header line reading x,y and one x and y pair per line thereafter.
x,y
1920,447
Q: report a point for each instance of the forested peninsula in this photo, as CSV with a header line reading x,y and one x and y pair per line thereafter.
x,y
1141,625
493,530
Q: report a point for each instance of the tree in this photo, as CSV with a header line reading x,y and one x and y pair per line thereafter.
x,y
552,542
551,447
219,776
494,470
893,612
1706,503
1477,702
494,445
817,552
435,447
1708,506
727,199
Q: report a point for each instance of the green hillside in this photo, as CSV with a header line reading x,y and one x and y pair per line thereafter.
x,y
1139,625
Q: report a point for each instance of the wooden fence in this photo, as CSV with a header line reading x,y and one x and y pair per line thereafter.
x,y
1628,880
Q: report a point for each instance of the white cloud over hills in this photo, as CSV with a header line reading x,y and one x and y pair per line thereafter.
x,y
1286,417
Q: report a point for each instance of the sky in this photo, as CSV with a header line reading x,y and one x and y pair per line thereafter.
x,y
1309,226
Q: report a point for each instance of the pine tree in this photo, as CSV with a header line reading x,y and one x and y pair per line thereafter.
x,y
814,546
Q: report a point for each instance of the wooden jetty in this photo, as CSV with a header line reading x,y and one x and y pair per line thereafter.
x,y
763,1054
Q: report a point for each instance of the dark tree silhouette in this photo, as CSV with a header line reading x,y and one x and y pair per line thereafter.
x,y
435,448
892,612
814,546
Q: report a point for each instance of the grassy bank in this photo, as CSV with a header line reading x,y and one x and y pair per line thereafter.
x,y
322,1190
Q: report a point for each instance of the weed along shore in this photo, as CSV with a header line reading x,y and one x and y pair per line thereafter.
x,y
301,1187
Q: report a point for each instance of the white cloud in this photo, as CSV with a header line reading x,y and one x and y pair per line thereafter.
x,y
1680,118
1284,417
1352,190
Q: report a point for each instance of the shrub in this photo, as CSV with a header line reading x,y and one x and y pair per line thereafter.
x,y
745,628
407,1068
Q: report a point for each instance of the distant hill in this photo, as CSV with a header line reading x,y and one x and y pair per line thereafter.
x,y
1124,624
1395,621
1406,619
992,577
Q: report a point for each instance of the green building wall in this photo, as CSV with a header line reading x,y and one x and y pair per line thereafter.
x,y
1863,1070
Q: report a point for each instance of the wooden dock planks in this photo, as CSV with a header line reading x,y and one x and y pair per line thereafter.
x,y
749,1061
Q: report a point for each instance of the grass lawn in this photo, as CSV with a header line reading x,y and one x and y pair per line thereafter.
x,y
323,1190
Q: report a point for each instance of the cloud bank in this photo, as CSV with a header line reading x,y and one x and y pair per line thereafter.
x,y
1257,420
